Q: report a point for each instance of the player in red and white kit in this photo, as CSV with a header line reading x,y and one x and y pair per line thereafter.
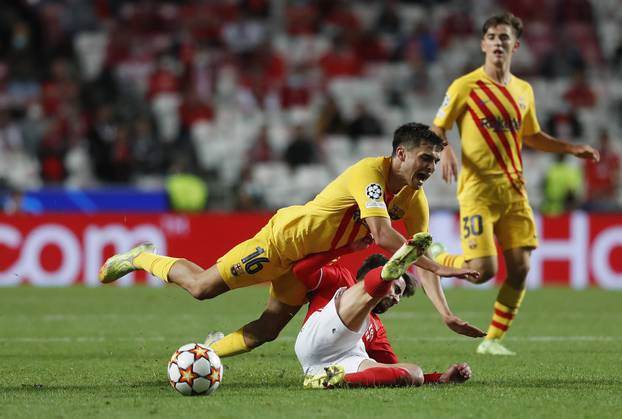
x,y
343,341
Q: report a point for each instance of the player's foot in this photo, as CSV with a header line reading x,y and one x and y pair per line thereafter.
x,y
405,256
332,377
213,337
123,263
493,347
435,250
457,373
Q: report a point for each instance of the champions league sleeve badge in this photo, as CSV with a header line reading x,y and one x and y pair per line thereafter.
x,y
373,191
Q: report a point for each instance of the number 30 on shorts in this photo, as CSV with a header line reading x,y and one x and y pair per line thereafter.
x,y
472,226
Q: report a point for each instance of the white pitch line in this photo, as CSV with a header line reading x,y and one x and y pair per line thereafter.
x,y
514,339
141,339
400,315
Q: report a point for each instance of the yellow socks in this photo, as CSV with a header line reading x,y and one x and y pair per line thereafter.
x,y
232,344
453,261
506,307
154,264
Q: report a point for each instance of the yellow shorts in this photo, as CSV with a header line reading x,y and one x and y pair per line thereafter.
x,y
255,261
513,225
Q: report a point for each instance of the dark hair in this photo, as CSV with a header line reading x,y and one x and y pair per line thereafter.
x,y
413,134
504,19
376,260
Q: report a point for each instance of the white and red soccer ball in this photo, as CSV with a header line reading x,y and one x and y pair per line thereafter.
x,y
195,369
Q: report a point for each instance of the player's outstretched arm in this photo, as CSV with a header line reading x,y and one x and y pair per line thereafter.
x,y
428,264
449,162
434,291
544,142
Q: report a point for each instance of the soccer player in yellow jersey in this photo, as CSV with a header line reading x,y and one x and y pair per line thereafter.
x,y
496,114
361,201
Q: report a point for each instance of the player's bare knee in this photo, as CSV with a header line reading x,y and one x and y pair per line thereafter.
x,y
520,271
200,289
487,270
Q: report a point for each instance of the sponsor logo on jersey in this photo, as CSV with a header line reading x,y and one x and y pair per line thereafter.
x,y
500,124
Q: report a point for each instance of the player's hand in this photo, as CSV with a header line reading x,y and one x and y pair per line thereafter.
x,y
361,244
463,328
449,165
584,151
457,373
462,273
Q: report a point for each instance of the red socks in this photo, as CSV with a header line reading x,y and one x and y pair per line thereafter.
x,y
379,377
386,377
375,285
432,377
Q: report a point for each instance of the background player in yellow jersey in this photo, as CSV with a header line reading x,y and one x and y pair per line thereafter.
x,y
362,200
495,113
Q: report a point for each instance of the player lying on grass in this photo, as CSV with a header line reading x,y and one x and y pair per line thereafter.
x,y
342,341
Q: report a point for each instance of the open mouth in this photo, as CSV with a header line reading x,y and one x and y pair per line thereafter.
x,y
498,52
421,177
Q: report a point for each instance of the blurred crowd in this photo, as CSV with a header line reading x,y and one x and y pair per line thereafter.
x,y
265,101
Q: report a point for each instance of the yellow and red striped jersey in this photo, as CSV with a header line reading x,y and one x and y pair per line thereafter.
x,y
492,119
335,217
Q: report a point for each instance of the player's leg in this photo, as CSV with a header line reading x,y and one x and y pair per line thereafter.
x,y
508,302
324,340
355,304
200,283
287,295
517,253
374,374
250,262
265,328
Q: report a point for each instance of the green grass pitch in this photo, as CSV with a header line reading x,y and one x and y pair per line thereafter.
x,y
102,353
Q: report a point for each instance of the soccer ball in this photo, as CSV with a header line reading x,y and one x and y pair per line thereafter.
x,y
195,369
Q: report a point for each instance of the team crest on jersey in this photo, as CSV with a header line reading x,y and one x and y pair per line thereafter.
x,y
522,104
236,270
472,244
396,213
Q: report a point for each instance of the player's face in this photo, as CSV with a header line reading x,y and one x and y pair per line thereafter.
x,y
499,43
419,163
392,298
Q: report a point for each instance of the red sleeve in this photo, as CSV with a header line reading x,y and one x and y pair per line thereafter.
x,y
309,269
380,349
